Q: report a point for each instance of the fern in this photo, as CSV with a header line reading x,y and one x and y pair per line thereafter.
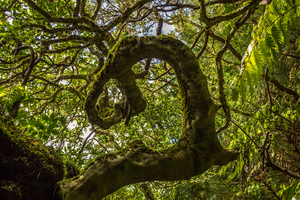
x,y
274,7
258,65
278,38
298,8
292,20
235,94
265,51
298,43
242,89
283,28
289,3
254,66
250,83
258,60
269,40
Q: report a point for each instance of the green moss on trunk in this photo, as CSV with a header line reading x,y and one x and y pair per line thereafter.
x,y
29,170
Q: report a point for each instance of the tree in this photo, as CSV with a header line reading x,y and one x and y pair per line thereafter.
x,y
85,63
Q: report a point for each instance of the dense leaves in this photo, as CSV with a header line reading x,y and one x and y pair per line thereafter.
x,y
52,50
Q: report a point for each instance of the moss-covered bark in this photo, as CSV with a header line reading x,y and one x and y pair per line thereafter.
x,y
29,171
196,151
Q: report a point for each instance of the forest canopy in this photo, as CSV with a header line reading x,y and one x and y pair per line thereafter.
x,y
149,99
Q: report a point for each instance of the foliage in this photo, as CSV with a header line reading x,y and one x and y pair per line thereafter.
x,y
271,43
16,93
260,69
31,170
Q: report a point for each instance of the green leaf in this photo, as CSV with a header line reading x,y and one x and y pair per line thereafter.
x,y
234,94
283,28
17,93
272,47
258,60
265,51
249,82
292,19
277,36
298,8
274,7
289,192
242,89
298,43
289,3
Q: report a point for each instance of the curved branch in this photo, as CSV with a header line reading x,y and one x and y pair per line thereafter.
x,y
204,45
282,88
73,76
97,9
32,63
126,14
196,151
69,89
215,20
56,30
38,9
234,52
219,56
196,7
197,38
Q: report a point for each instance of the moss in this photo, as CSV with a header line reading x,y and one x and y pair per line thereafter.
x,y
28,169
134,145
103,108
72,170
112,53
168,39
106,111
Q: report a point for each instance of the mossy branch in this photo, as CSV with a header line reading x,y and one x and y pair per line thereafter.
x,y
196,151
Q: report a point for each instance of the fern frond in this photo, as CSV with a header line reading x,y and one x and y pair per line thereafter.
x,y
298,43
272,47
274,7
289,3
251,66
242,89
255,34
283,28
258,60
266,17
292,19
265,51
249,82
234,94
298,8
278,38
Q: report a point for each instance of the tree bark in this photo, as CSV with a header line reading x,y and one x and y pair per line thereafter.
x,y
197,150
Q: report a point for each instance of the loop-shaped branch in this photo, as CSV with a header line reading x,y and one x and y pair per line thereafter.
x,y
196,151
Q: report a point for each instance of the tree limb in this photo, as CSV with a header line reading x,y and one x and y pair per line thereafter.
x,y
193,154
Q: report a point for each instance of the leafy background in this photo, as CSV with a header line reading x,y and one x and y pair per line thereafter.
x,y
261,87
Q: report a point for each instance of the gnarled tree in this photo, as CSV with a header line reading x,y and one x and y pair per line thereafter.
x,y
81,63
196,151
